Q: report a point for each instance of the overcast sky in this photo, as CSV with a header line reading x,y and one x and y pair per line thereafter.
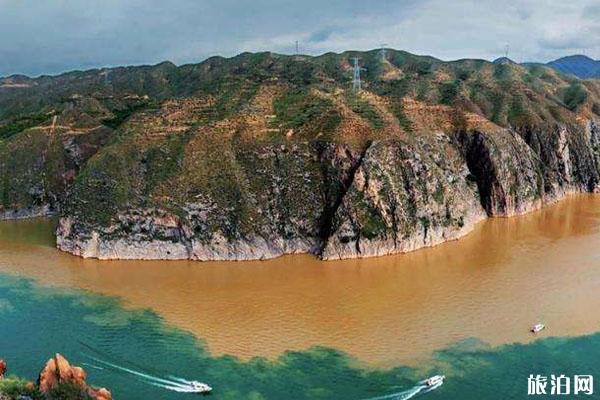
x,y
52,36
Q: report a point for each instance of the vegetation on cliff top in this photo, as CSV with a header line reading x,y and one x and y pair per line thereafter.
x,y
161,137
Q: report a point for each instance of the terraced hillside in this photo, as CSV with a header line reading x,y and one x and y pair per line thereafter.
x,y
263,154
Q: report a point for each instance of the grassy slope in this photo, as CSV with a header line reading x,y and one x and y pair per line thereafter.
x,y
181,133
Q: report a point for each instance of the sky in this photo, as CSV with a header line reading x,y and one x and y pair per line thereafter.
x,y
52,36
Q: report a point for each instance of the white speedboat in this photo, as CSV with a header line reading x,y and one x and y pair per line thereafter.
x,y
435,380
537,328
200,387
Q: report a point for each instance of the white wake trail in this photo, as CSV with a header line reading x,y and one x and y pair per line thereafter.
x,y
175,378
437,385
149,378
92,366
404,395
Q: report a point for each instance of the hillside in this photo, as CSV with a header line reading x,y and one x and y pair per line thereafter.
x,y
264,154
578,65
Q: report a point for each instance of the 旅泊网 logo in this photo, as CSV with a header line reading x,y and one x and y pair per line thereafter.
x,y
560,385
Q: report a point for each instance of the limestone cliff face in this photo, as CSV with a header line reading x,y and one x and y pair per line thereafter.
x,y
262,154
506,169
519,172
272,207
404,197
38,166
338,201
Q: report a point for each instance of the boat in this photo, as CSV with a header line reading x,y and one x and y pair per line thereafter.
x,y
435,380
200,387
538,327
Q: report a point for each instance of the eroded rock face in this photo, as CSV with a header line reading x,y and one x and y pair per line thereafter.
x,y
261,155
58,371
519,172
340,201
28,212
404,197
507,172
39,165
388,197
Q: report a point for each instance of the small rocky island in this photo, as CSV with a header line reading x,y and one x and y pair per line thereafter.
x,y
57,380
260,155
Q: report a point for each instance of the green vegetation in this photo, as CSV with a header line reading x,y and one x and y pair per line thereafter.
x,y
14,387
297,108
575,95
448,92
503,72
68,391
109,182
162,161
397,109
120,115
16,125
233,127
518,115
365,110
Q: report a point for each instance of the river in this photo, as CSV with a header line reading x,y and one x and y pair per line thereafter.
x,y
375,324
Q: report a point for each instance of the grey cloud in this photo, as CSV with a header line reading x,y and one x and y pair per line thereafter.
x,y
49,37
38,37
583,39
321,35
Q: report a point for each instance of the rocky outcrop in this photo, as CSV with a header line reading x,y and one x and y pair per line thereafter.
x,y
387,197
262,155
390,196
57,380
518,172
403,197
506,169
24,213
58,371
163,242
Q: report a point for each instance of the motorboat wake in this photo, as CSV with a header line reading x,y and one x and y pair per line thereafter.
x,y
422,387
172,383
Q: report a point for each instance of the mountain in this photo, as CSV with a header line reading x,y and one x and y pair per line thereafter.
x,y
260,155
578,65
503,60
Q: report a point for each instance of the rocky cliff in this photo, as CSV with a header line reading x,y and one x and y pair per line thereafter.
x,y
57,380
263,155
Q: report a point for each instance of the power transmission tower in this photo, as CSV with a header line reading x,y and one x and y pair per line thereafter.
x,y
297,48
382,52
506,48
356,84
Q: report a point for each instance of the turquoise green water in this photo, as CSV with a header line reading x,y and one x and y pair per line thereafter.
x,y
37,321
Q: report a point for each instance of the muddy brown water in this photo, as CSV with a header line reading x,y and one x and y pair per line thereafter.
x,y
493,284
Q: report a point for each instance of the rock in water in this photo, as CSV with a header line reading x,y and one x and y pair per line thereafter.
x,y
58,371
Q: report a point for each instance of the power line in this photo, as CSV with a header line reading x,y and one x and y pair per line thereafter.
x,y
356,83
